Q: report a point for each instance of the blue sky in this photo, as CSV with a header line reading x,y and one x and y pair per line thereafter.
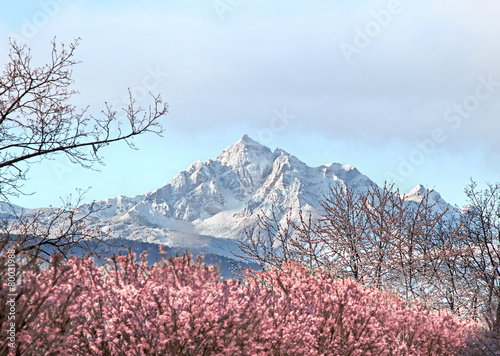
x,y
404,90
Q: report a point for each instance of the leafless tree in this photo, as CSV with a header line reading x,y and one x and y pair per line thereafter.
x,y
448,263
445,260
379,238
267,242
38,122
342,232
482,222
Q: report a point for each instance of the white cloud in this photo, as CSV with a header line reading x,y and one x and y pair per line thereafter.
x,y
266,55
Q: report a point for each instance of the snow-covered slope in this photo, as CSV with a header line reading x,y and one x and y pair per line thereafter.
x,y
435,198
210,203
8,210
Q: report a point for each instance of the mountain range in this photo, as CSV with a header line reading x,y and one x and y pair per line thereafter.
x,y
208,206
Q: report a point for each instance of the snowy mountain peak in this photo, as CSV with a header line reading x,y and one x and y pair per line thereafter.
x,y
349,167
246,138
213,201
417,195
280,152
245,151
419,190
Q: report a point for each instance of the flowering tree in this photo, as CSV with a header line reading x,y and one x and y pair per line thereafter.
x,y
182,307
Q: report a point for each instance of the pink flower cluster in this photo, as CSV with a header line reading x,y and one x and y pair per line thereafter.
x,y
178,307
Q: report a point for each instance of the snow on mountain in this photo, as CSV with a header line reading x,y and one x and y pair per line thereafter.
x,y
210,203
8,210
435,199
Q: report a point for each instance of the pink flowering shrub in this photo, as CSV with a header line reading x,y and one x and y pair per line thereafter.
x,y
178,307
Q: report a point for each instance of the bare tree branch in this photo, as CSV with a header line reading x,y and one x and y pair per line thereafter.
x,y
37,122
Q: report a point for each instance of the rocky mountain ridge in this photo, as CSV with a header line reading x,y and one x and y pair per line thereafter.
x,y
209,204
